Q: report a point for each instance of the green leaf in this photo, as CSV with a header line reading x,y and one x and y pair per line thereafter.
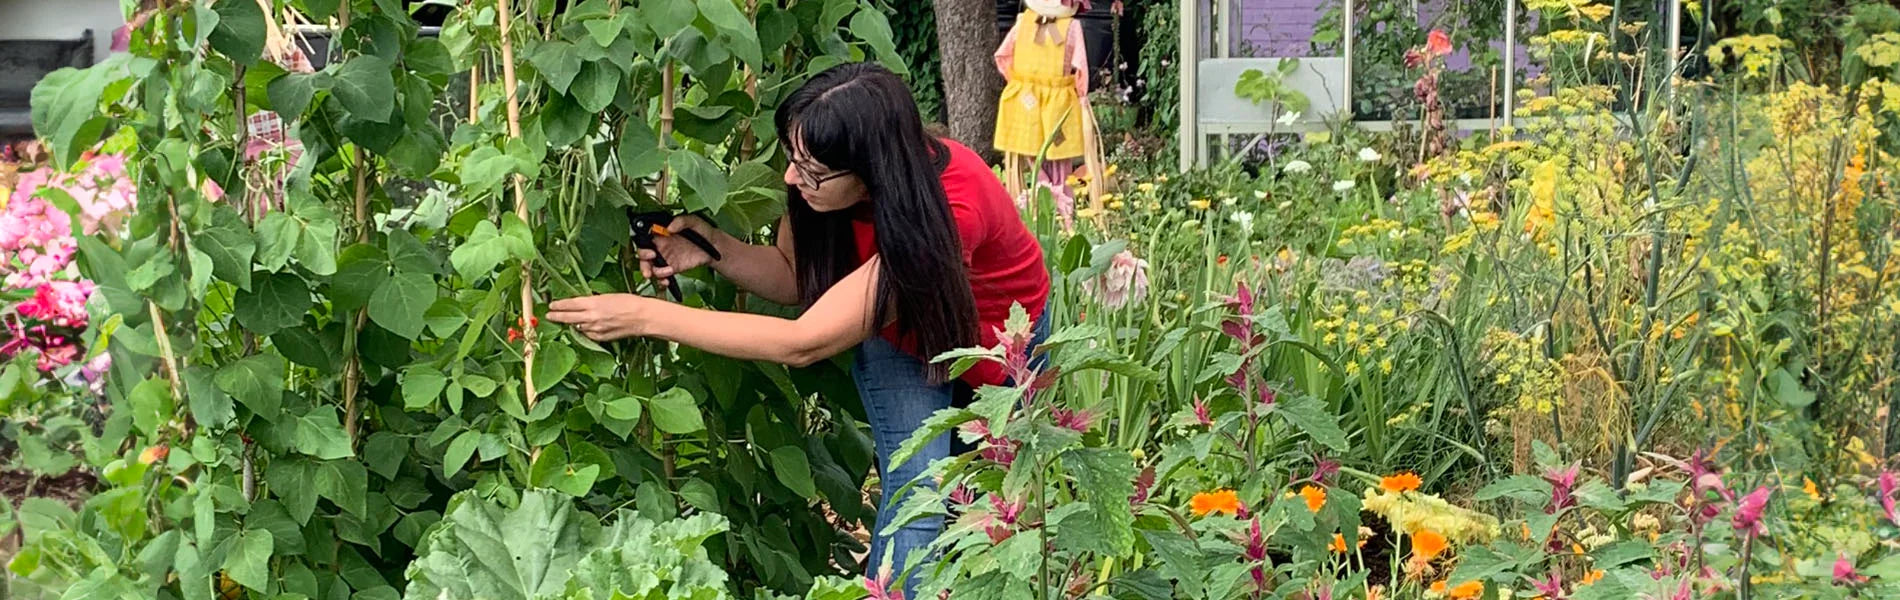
x,y
366,89
703,178
320,434
459,451
481,253
270,515
553,362
445,317
401,302
276,302
794,470
230,244
736,32
257,382
65,110
1481,562
595,86
1621,553
239,35
1788,390
151,404
667,18
558,62
1306,414
675,411
307,348
277,234
290,93
870,26
579,482
1524,488
210,406
483,550
383,453
248,560
421,385
428,56
699,494
345,483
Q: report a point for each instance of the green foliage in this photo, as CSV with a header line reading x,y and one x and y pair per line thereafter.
x,y
1260,87
914,28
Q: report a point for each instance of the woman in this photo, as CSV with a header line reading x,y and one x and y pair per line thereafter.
x,y
895,242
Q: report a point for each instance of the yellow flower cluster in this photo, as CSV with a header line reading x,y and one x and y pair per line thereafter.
x,y
1412,512
1518,365
1755,52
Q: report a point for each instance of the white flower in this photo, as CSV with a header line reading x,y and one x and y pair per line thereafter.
x,y
1342,185
1289,117
1369,155
1260,194
1285,204
1228,201
1244,219
1298,166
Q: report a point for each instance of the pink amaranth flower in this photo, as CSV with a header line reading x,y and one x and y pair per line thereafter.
x,y
1323,469
1144,483
1001,451
880,588
1887,488
1747,518
1562,481
1125,282
1552,588
962,495
1201,415
1844,573
1078,420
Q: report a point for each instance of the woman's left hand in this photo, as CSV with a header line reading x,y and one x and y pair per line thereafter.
x,y
605,317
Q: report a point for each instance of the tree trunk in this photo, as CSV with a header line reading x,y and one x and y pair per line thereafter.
x,y
967,40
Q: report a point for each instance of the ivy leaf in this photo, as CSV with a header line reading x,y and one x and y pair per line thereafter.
x,y
421,385
1306,414
319,434
256,381
794,470
248,560
401,302
676,412
276,302
366,88
240,36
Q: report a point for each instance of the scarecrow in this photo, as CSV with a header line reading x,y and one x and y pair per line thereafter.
x,y
1044,61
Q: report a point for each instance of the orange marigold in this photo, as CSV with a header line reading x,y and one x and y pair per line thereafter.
x,y
1400,482
1591,577
1206,503
1339,544
1428,544
1315,497
1468,590
1438,587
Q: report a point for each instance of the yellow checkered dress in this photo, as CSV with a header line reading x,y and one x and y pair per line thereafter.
x,y
1040,99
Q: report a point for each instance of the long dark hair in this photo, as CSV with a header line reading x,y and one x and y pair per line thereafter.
x,y
861,118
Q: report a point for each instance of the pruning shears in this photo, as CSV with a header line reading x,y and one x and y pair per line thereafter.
x,y
651,224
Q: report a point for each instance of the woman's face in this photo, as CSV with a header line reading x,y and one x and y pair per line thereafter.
x,y
824,188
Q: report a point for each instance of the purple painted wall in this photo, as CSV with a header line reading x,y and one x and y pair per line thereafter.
x,y
1285,28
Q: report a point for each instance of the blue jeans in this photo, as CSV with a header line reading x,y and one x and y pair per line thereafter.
x,y
897,399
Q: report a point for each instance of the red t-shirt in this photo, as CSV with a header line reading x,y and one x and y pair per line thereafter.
x,y
1001,257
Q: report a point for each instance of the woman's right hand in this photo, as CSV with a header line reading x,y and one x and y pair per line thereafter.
x,y
681,254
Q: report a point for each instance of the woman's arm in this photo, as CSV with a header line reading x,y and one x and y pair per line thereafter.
x,y
766,271
839,320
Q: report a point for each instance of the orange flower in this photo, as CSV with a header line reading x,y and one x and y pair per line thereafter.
x,y
1205,503
1591,577
1808,487
1468,590
1428,544
154,454
1376,592
1400,482
1315,497
1339,544
1438,587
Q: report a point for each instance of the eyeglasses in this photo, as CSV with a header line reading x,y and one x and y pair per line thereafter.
x,y
807,180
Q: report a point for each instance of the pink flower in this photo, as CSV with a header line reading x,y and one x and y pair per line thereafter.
x,y
880,588
1844,573
975,428
999,450
1323,469
1125,282
1552,588
1437,43
1887,488
1200,413
962,495
211,190
60,303
1077,420
1144,483
1748,515
1562,481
